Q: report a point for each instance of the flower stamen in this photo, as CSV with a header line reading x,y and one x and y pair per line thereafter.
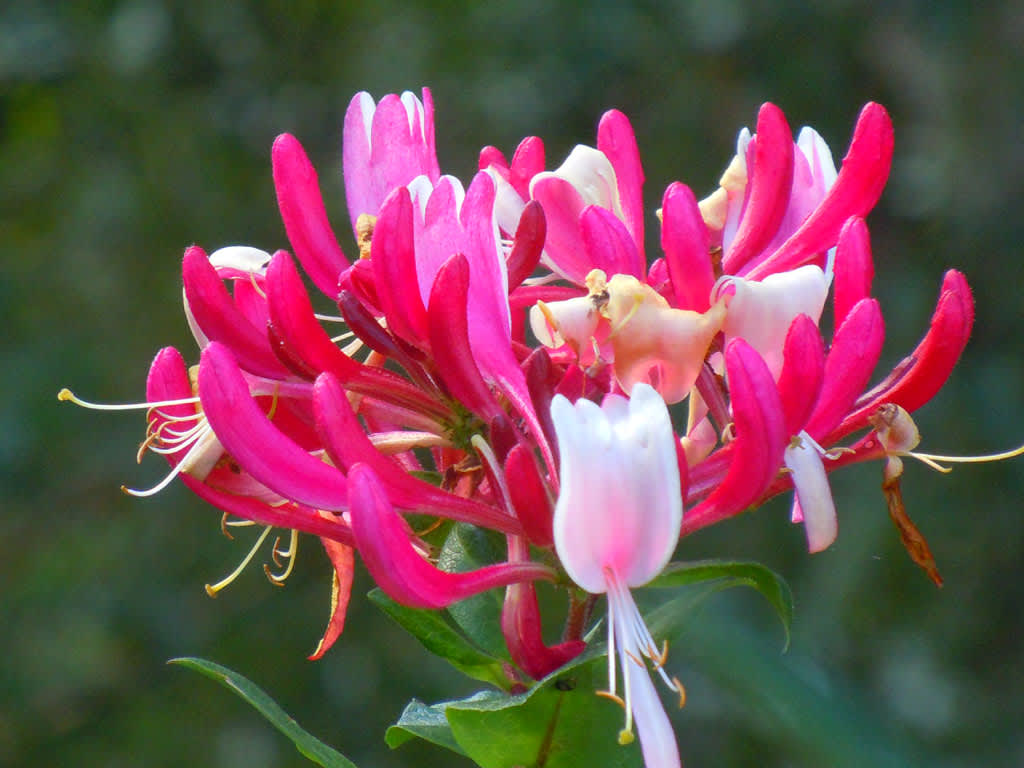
x,y
213,589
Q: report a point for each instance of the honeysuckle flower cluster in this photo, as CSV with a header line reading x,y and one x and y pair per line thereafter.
x,y
507,352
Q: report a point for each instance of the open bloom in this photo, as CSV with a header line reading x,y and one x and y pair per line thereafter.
x,y
616,524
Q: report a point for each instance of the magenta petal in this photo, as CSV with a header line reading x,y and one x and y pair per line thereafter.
x,y
220,320
616,139
852,358
528,244
608,244
261,449
685,240
562,208
860,183
527,162
920,376
771,180
529,496
802,371
348,445
521,625
305,220
168,380
383,539
310,350
395,269
295,326
761,438
449,337
854,268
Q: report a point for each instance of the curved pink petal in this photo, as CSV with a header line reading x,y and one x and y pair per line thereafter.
x,y
306,344
383,540
343,560
394,261
529,495
608,243
802,372
295,326
303,214
861,179
527,245
168,380
348,445
563,248
769,185
522,628
852,358
685,240
919,377
261,449
616,139
451,342
761,438
220,320
854,268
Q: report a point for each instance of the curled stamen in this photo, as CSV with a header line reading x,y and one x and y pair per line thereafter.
x,y
290,554
213,589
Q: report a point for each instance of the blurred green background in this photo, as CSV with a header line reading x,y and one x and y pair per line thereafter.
x,y
129,130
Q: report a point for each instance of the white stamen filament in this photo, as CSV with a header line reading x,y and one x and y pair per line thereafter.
x,y
67,395
932,459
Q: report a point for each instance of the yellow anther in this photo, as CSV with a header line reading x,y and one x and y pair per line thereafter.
x,y
365,224
626,737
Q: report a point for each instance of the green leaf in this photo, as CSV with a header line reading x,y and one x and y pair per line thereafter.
x,y
427,722
794,703
307,744
467,548
439,637
733,573
560,723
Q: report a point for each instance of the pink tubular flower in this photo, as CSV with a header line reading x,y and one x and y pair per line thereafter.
x,y
424,398
615,528
386,145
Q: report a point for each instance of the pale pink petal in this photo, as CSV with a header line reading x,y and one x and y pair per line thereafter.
x,y
619,505
761,312
815,496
